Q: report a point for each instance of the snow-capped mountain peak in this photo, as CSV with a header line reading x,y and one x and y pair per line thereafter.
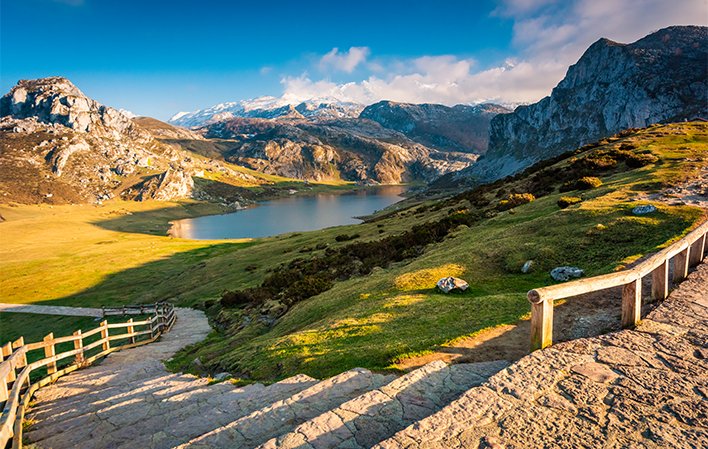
x,y
268,107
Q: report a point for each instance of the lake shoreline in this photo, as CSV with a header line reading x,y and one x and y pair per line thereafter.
x,y
182,228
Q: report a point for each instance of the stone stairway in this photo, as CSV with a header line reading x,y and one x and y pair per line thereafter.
x,y
635,388
181,411
130,401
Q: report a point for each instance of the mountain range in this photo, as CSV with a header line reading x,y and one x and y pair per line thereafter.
x,y
59,145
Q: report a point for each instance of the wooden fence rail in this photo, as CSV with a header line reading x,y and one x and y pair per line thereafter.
x,y
16,389
687,252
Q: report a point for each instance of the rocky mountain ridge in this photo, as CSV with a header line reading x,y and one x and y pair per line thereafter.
x,y
60,146
461,128
350,149
660,78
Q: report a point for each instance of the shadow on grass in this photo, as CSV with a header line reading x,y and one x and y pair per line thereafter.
x,y
184,278
156,221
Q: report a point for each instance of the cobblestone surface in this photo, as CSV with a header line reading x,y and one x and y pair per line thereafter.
x,y
641,388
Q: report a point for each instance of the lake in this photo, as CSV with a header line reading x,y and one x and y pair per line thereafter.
x,y
292,214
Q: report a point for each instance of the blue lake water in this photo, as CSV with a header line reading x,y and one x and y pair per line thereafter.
x,y
292,214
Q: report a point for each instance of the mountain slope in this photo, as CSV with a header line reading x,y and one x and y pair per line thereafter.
x,y
60,146
660,78
459,128
349,149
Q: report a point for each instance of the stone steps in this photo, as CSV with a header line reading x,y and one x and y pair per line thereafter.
x,y
58,416
76,397
214,411
379,414
141,413
283,416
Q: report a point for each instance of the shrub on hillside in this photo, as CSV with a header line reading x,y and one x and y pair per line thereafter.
x,y
584,183
566,201
514,200
238,298
640,160
346,237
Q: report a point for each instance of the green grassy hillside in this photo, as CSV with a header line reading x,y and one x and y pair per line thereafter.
x,y
376,303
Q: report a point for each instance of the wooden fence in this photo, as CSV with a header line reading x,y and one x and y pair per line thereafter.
x,y
16,388
687,252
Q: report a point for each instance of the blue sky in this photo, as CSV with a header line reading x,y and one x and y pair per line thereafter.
x,y
160,57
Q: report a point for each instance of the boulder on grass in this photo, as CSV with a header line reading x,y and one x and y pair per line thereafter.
x,y
566,273
643,210
448,284
528,265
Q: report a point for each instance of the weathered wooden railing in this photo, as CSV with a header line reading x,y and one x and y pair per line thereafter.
x,y
16,388
687,252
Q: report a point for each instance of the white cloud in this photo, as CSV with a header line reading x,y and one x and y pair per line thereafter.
x,y
345,61
549,35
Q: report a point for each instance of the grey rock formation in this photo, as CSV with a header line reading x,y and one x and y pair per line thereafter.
x,y
56,100
563,274
643,210
660,78
527,267
460,128
448,284
60,146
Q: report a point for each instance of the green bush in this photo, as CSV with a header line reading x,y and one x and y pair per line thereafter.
x,y
584,183
566,201
345,237
640,160
514,200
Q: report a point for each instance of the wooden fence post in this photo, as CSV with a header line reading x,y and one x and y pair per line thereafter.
x,y
632,303
7,352
131,331
3,383
702,247
104,336
681,265
20,342
696,253
541,324
79,344
3,390
50,351
660,282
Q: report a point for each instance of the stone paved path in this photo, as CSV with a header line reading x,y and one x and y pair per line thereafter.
x,y
642,388
50,310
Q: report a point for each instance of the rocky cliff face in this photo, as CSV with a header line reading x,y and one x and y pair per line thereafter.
x,y
350,149
58,146
459,128
660,78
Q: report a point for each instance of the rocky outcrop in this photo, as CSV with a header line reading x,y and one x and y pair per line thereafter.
x,y
55,100
660,78
171,184
59,146
459,128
